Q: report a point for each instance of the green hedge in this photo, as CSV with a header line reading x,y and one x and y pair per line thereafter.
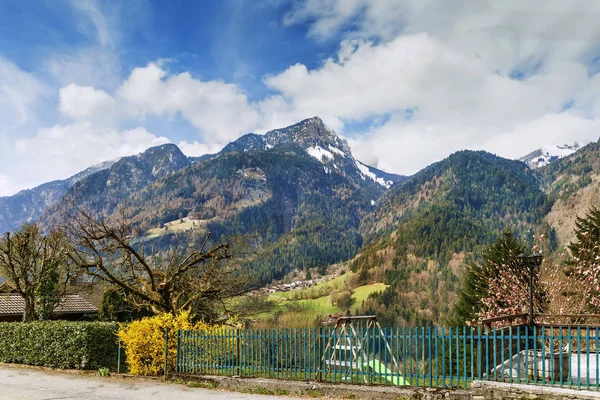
x,y
59,344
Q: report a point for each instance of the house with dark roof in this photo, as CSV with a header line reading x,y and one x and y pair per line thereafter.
x,y
72,307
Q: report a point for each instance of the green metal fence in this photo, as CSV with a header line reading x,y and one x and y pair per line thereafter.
x,y
426,356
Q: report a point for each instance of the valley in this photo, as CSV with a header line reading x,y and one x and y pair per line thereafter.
x,y
298,306
309,207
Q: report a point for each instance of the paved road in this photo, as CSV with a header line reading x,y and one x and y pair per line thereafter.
x,y
30,384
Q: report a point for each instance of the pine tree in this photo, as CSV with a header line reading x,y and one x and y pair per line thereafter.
x,y
503,252
583,268
587,232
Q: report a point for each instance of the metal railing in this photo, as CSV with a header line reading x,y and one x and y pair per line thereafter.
x,y
426,356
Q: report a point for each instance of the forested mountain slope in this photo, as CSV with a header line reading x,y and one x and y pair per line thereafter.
x,y
100,192
425,230
573,183
299,187
311,204
28,205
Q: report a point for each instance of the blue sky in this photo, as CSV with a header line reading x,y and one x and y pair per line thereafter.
x,y
232,40
407,82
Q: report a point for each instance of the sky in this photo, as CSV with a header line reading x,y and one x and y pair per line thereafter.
x,y
406,82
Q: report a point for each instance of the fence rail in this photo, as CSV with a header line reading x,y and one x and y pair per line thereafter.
x,y
426,356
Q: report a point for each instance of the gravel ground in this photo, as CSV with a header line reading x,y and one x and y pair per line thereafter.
x,y
31,384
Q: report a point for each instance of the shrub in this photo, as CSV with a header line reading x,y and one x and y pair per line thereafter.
x,y
345,301
59,344
144,341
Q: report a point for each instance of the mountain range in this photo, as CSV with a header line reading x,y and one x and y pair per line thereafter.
x,y
129,174
313,204
28,205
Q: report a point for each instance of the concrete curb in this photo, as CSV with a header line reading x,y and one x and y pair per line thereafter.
x,y
490,389
319,389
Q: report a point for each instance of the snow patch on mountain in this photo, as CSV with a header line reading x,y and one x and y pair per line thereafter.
x,y
546,154
366,173
319,152
337,151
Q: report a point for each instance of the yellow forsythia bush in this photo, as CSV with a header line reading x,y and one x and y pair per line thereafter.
x,y
144,341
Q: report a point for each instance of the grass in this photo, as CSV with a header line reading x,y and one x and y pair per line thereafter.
x,y
202,385
314,393
361,293
321,306
259,390
176,226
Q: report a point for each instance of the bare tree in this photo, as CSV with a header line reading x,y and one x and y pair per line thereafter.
x,y
199,279
37,267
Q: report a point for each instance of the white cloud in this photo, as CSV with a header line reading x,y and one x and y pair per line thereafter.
x,y
93,16
441,86
97,64
550,128
20,92
92,66
221,111
31,155
406,146
7,186
437,76
382,18
474,74
486,28
137,140
74,147
196,149
85,103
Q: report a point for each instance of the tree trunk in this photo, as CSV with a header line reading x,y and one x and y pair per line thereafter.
x,y
29,311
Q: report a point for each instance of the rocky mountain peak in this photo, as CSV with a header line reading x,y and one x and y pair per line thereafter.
x,y
248,142
163,159
309,133
164,150
318,141
156,162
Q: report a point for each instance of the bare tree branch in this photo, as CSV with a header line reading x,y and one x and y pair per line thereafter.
x,y
163,281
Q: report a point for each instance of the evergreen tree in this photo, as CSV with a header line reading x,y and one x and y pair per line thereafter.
x,y
583,269
503,253
587,232
48,292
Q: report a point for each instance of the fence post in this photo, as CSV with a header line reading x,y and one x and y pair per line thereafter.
x,y
166,350
237,352
119,356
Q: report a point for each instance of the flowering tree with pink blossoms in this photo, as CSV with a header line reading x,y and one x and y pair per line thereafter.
x,y
508,294
569,288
